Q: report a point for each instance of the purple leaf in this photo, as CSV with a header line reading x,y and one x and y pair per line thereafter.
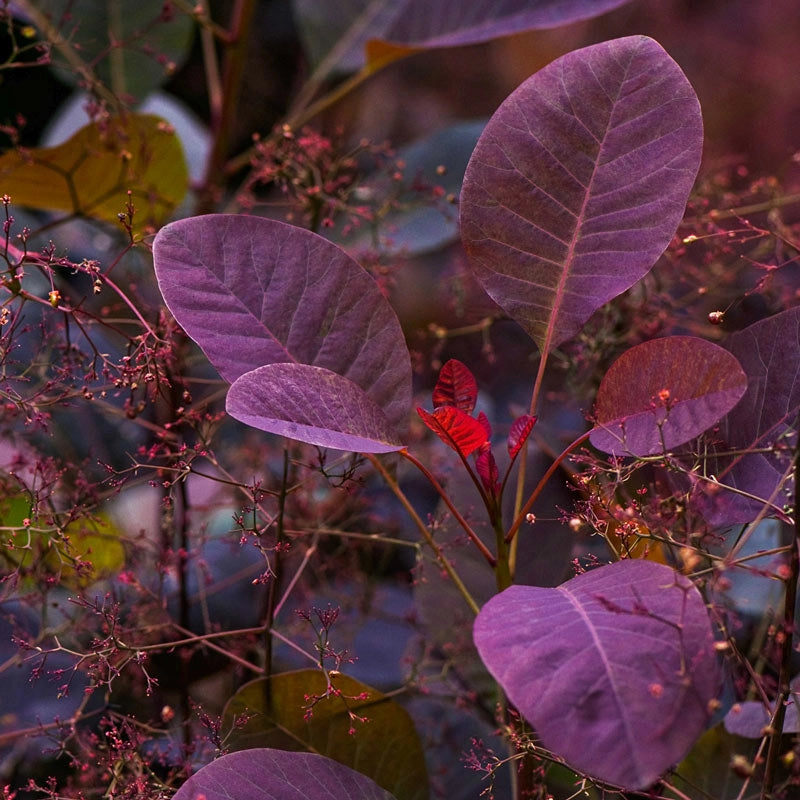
x,y
264,774
456,386
312,405
750,718
769,352
253,291
347,25
614,669
663,393
520,431
454,23
578,183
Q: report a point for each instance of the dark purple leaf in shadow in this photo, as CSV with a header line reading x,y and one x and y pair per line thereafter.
x,y
411,228
769,352
252,291
614,669
543,557
264,774
312,405
578,183
339,31
662,393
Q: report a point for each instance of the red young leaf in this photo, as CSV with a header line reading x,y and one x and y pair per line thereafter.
x,y
455,428
486,467
518,435
456,387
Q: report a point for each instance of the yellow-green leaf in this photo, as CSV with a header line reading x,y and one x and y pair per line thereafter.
x,y
707,769
91,174
386,748
85,551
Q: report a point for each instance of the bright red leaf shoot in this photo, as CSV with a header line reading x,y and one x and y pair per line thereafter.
x,y
486,467
455,428
456,387
454,398
518,435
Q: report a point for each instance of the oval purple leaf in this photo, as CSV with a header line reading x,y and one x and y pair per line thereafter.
x,y
615,669
769,352
312,405
253,291
265,774
578,183
663,393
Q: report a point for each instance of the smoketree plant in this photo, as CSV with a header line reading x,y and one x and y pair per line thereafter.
x,y
624,673
574,189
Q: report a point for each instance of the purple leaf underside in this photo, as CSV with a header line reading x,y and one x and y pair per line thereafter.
x,y
662,393
452,23
253,291
769,353
348,25
312,405
264,774
578,183
614,669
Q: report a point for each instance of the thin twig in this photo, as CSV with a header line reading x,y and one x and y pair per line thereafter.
x,y
474,538
787,647
426,534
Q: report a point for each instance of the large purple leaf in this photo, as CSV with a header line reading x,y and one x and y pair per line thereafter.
x,y
264,774
253,291
614,669
578,183
767,417
312,405
663,393
338,30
